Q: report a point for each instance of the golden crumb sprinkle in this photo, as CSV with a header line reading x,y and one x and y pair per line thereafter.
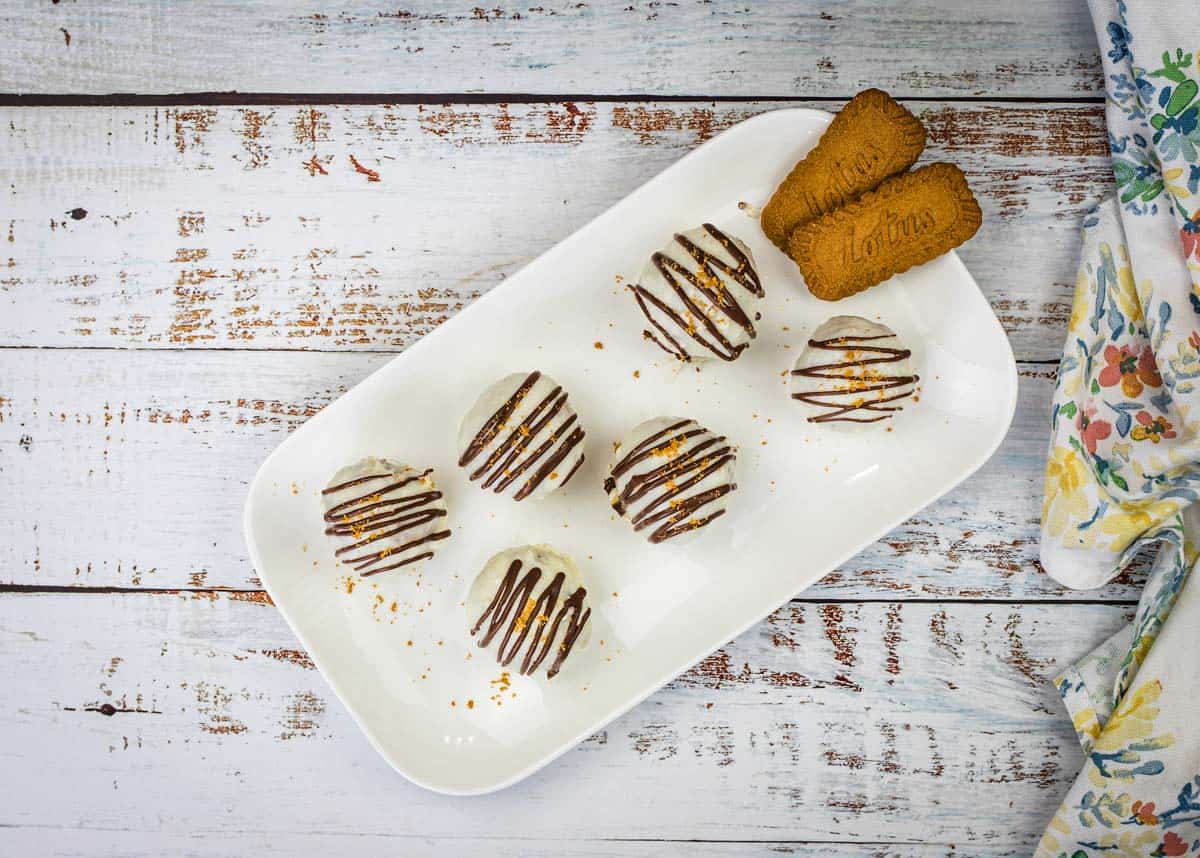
x,y
523,620
637,373
410,643
598,345
669,450
470,704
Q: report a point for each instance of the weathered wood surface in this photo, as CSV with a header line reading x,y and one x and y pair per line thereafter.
x,y
257,259
139,844
155,844
133,466
878,723
363,227
691,47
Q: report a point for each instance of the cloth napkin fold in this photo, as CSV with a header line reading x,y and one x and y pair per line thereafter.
x,y
1124,464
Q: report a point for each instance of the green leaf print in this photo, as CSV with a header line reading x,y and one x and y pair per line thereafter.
x,y
1181,97
1174,70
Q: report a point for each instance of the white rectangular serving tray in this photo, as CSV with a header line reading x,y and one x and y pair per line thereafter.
x,y
395,647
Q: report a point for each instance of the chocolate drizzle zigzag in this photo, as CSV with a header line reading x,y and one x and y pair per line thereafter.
x,y
532,619
670,497
708,281
533,449
860,389
382,512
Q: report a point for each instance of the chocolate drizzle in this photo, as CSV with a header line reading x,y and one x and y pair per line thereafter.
x,y
862,389
382,512
537,439
690,454
709,280
526,619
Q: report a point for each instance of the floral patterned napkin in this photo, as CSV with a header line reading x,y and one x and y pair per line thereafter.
x,y
1124,462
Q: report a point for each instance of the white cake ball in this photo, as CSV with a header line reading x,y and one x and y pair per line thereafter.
x,y
522,438
853,372
671,477
529,606
387,515
701,295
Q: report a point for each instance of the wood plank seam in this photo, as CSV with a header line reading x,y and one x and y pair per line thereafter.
x,y
319,99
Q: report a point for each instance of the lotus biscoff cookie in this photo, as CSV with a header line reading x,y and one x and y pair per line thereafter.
x,y
872,138
908,220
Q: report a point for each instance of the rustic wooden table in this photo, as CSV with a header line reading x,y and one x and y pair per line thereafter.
x,y
187,273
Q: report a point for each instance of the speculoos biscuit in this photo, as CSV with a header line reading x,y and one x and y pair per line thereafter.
x,y
872,138
908,220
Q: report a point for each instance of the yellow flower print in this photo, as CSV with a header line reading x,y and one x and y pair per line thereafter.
x,y
1170,179
1131,522
1127,737
1133,719
1086,723
1129,297
1152,428
1130,843
1081,305
1050,846
1066,500
1141,648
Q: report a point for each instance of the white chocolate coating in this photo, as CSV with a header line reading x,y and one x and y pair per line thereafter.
x,y
533,616
853,372
384,514
701,301
671,477
521,438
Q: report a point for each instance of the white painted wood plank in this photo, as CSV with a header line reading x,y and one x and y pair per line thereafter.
x,y
138,844
895,723
362,227
695,47
130,468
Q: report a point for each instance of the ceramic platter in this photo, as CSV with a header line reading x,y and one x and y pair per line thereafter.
x,y
395,647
